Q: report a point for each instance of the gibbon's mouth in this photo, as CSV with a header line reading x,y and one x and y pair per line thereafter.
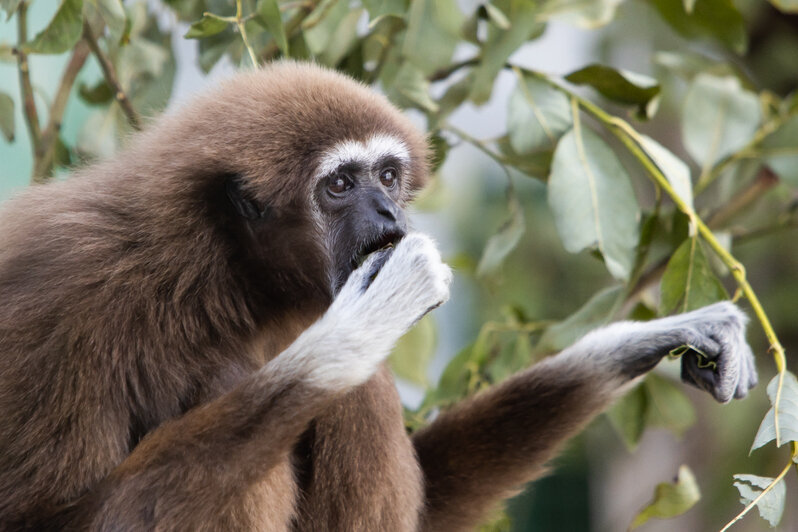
x,y
386,240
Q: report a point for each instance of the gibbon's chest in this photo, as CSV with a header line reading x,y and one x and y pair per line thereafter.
x,y
355,465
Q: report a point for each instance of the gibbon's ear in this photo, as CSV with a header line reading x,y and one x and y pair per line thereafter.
x,y
243,204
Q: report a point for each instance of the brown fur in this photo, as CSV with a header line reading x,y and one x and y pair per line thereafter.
x,y
134,317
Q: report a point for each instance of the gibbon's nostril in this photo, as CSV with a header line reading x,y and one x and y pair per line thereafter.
x,y
386,208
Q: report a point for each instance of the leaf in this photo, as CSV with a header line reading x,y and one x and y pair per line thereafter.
x,y
100,94
596,312
537,115
593,201
382,8
590,14
628,416
342,39
718,118
497,16
7,116
320,27
714,18
771,505
205,27
787,6
500,44
502,243
413,352
676,171
620,86
113,14
688,282
269,12
668,406
788,413
63,31
671,499
413,88
433,31
535,164
10,7
780,151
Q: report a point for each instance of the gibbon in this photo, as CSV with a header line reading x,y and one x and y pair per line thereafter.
x,y
192,333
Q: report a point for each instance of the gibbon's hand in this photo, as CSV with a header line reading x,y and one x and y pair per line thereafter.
x,y
379,302
710,341
724,365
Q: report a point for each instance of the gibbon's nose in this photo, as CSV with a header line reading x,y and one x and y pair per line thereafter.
x,y
386,207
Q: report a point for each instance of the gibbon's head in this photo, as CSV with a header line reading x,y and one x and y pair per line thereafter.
x,y
313,168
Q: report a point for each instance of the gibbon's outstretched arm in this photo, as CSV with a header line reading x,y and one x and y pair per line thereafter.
x,y
484,449
256,425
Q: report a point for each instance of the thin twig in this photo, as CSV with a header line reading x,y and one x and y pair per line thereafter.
x,y
444,73
241,24
43,164
26,87
764,181
133,118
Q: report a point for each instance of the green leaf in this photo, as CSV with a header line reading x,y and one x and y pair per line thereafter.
x,y
500,44
628,416
205,27
787,6
535,164
382,8
688,282
671,499
780,151
410,87
537,115
590,14
320,27
413,352
497,16
433,31
596,312
788,413
676,171
113,14
10,7
269,13
714,18
63,31
342,39
668,406
592,199
771,506
620,86
7,116
718,118
502,243
100,94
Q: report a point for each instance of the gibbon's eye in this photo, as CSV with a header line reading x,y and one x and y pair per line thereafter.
x,y
339,183
388,177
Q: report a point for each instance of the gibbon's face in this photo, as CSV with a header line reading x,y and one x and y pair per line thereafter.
x,y
358,193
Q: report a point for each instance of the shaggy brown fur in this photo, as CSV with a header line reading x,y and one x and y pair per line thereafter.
x,y
135,311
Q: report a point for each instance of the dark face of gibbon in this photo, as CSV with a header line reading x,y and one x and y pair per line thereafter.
x,y
359,196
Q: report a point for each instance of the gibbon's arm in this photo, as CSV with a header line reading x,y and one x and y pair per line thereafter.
x,y
484,449
239,438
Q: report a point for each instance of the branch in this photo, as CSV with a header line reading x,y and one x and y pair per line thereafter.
x,y
133,118
764,181
26,87
443,73
43,164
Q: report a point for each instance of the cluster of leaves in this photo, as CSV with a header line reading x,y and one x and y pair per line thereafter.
x,y
667,252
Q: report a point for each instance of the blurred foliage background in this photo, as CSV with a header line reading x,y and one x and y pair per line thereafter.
x,y
595,160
